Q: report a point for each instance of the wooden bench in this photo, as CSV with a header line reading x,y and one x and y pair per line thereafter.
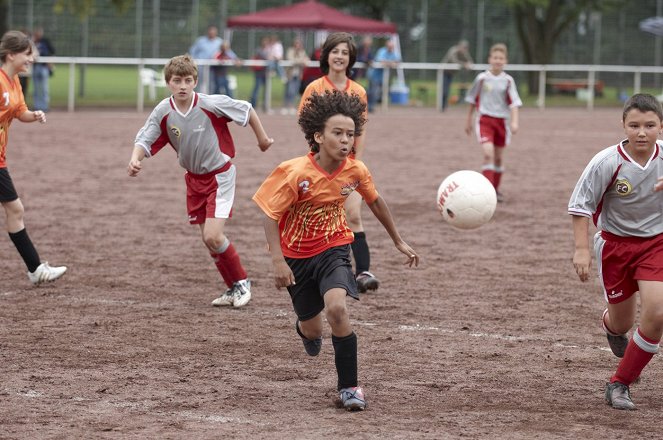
x,y
569,86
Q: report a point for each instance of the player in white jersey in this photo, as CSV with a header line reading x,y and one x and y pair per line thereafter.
x,y
196,126
621,189
495,97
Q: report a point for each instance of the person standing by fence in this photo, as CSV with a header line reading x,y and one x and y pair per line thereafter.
x,y
205,48
458,54
41,72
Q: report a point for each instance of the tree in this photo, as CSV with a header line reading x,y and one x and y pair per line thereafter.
x,y
85,8
4,12
540,23
376,9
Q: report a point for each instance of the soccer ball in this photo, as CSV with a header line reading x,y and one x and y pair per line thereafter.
x,y
466,199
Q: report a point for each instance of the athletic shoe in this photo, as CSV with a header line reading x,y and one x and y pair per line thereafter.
x,y
312,346
241,293
500,197
45,273
226,298
618,396
617,344
353,399
367,281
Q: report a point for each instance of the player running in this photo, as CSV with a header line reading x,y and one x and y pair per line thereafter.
x,y
338,56
196,126
16,57
309,237
620,190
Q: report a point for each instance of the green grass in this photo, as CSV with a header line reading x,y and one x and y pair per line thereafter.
x,y
116,87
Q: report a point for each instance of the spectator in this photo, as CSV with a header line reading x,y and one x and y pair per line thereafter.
x,y
311,73
276,56
387,57
460,54
260,72
24,76
205,48
299,58
364,55
41,72
221,84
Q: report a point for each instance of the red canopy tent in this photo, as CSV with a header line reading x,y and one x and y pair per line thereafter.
x,y
310,15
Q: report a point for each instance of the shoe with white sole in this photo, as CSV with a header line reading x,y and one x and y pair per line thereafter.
x,y
241,293
45,273
226,298
353,398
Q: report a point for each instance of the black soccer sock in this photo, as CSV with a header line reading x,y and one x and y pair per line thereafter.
x,y
26,249
361,253
345,357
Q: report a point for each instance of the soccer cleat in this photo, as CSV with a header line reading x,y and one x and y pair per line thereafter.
x,y
312,346
241,293
618,396
617,344
45,273
226,298
500,197
353,398
367,281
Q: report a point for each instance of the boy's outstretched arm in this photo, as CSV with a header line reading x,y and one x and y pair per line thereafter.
x,y
283,276
137,155
382,213
264,141
582,259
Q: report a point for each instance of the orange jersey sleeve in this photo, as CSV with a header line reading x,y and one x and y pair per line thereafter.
x,y
12,105
309,203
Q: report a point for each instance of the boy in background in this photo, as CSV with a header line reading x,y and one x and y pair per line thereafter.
x,y
495,97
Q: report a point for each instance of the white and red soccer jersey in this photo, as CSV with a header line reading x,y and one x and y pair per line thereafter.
x,y
12,105
200,136
619,194
494,95
309,203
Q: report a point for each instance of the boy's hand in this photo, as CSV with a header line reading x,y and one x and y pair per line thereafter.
x,y
659,185
514,127
283,276
40,116
265,143
412,256
134,168
468,128
581,262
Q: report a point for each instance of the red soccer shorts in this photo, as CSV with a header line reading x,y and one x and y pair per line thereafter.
x,y
625,260
493,130
210,195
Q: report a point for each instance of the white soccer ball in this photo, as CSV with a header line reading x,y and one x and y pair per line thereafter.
x,y
466,199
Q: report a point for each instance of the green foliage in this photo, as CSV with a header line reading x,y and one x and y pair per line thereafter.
x,y
376,9
85,8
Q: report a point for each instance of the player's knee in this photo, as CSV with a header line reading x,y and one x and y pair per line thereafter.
x,y
214,242
14,212
337,314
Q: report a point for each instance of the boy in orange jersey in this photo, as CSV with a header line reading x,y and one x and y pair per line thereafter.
x,y
16,56
338,56
308,236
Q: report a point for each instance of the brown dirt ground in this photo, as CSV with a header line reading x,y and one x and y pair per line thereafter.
x,y
492,336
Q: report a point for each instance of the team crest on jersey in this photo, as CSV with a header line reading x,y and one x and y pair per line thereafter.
x,y
304,186
623,187
176,131
347,188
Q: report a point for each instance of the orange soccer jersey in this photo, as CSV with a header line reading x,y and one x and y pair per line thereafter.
x,y
323,84
12,105
308,203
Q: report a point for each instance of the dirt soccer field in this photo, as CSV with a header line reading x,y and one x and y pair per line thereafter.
x,y
493,336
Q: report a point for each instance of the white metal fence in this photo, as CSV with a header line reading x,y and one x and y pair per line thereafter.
x,y
590,71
